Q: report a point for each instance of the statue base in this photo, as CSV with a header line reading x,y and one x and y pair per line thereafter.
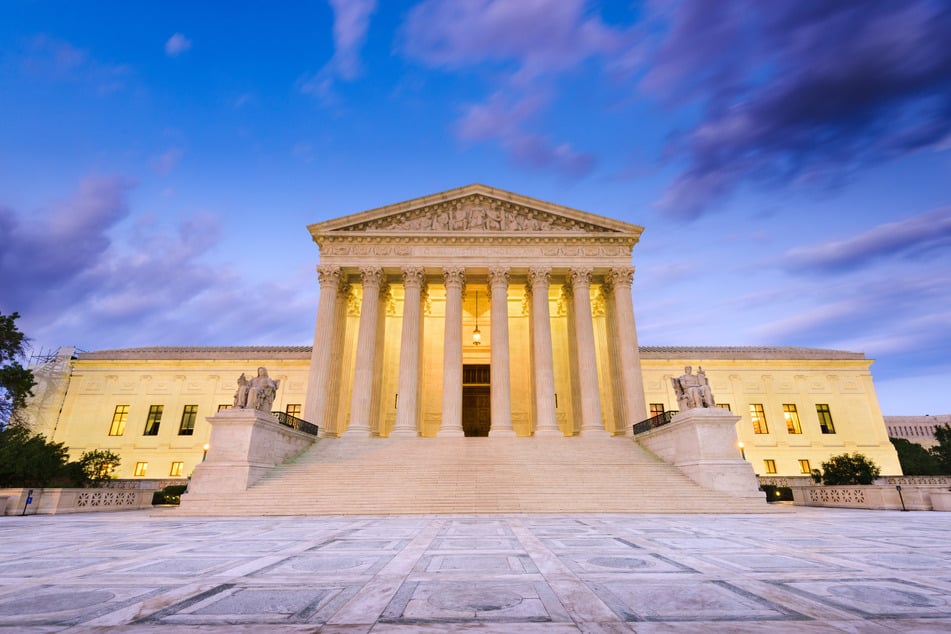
x,y
702,443
244,445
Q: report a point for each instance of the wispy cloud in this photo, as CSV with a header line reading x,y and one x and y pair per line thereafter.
x,y
57,60
351,23
795,90
176,45
527,43
145,285
165,162
503,121
921,233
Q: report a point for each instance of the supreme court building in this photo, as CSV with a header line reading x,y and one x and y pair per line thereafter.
x,y
471,312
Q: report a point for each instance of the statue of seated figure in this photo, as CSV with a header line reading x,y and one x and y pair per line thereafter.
x,y
693,390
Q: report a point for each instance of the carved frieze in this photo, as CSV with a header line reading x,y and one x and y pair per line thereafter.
x,y
476,213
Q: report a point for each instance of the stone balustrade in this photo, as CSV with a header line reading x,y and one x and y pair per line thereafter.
x,y
55,501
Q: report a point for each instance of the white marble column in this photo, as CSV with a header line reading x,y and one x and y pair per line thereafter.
x,y
315,404
544,371
628,354
591,419
501,382
407,412
452,355
332,409
361,401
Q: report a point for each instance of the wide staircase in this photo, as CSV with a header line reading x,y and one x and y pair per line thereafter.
x,y
372,476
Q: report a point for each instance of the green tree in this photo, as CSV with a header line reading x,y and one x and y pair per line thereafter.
x,y
28,459
97,465
942,451
848,469
16,382
915,459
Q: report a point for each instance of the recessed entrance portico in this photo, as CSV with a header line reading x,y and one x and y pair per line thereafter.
x,y
398,307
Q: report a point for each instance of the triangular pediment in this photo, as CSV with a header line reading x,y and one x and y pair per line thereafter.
x,y
473,209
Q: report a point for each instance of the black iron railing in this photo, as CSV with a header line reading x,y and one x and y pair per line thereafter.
x,y
653,422
295,423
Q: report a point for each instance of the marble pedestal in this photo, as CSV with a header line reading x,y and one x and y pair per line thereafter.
x,y
245,444
702,443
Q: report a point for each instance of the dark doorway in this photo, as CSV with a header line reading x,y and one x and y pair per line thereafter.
x,y
476,400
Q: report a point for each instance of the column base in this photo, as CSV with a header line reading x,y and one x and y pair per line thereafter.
x,y
548,433
451,433
357,431
501,433
403,433
594,431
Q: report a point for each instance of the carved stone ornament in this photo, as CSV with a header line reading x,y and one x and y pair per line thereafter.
x,y
328,276
454,277
476,213
413,276
622,276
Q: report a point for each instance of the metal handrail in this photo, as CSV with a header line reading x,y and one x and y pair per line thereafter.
x,y
654,422
295,423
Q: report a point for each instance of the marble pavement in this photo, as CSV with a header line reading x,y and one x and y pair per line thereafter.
x,y
809,570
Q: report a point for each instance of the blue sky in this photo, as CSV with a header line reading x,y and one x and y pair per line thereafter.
x,y
790,160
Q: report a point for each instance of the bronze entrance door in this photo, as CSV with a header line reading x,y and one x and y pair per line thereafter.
x,y
476,400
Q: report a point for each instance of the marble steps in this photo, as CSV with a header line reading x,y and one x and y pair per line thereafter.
x,y
369,476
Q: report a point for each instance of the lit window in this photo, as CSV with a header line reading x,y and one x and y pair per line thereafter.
x,y
224,406
770,465
759,418
804,467
792,419
141,468
656,409
825,418
189,414
154,420
725,406
294,410
176,469
117,428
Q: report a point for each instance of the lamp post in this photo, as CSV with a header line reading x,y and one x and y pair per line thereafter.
x,y
742,449
204,452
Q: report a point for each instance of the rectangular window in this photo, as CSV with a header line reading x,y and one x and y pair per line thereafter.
x,y
189,414
294,410
224,406
825,418
141,468
154,420
759,418
792,418
770,465
725,406
117,428
176,469
656,409
804,467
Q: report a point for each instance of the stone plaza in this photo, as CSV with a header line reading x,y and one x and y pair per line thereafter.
x,y
805,570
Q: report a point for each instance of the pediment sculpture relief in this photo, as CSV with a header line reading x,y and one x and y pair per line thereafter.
x,y
475,214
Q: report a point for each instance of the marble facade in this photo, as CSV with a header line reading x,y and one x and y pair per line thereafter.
x,y
400,288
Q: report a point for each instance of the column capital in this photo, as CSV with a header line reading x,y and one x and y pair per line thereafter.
x,y
328,276
539,277
371,276
498,276
454,276
580,277
621,276
413,276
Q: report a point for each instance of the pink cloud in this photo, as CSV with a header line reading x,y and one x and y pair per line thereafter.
x,y
177,44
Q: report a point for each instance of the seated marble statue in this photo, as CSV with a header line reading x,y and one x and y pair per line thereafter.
x,y
261,391
693,390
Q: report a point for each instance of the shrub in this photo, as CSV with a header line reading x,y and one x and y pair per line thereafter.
x,y
915,459
848,469
169,495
